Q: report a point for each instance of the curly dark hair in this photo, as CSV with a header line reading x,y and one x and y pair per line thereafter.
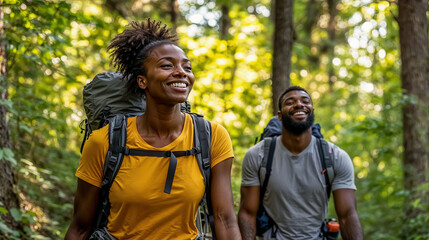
x,y
129,50
291,88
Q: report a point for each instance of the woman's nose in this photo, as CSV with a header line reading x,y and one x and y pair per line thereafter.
x,y
179,71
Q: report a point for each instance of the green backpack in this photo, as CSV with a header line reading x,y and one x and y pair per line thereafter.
x,y
107,101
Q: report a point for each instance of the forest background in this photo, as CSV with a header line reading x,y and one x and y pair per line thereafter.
x,y
346,53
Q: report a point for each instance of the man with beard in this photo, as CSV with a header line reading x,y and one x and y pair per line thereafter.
x,y
296,197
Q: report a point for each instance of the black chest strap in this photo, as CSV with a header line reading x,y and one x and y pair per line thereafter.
x,y
173,155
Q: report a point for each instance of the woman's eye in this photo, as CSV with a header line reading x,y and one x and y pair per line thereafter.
x,y
166,65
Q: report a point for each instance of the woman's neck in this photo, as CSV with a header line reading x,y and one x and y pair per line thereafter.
x,y
160,126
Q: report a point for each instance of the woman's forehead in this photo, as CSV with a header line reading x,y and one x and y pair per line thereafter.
x,y
167,50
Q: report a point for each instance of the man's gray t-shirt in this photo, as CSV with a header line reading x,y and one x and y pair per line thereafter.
x,y
296,196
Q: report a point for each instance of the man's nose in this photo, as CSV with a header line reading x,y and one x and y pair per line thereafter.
x,y
299,104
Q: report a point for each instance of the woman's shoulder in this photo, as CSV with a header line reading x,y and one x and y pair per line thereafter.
x,y
99,136
216,125
216,128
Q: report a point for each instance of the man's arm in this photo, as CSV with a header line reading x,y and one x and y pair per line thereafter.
x,y
85,207
345,206
247,213
222,201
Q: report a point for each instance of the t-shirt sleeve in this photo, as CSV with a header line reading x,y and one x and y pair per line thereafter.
x,y
250,167
221,145
344,172
94,152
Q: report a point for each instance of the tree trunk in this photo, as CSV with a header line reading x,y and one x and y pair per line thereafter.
x,y
174,13
282,50
312,12
413,34
332,8
8,195
225,23
120,6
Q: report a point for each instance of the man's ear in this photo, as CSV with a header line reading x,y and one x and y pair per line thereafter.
x,y
142,81
279,115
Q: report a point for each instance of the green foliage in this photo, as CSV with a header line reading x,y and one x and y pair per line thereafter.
x,y
418,228
26,218
4,229
45,75
6,154
9,233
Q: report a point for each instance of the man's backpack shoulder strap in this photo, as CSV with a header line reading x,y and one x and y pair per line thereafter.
x,y
267,162
326,156
117,142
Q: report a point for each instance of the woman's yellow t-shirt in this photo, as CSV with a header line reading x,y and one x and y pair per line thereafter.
x,y
139,207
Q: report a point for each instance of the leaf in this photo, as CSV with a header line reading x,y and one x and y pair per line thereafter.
x,y
16,214
25,128
5,229
423,187
6,103
8,155
3,210
416,203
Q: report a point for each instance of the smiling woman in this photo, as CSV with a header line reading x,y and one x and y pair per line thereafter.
x,y
168,74
143,204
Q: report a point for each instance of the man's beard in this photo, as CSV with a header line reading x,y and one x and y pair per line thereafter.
x,y
297,128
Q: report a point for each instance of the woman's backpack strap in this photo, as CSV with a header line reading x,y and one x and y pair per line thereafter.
x,y
202,142
112,164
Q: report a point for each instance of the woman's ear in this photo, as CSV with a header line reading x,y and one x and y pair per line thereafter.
x,y
142,81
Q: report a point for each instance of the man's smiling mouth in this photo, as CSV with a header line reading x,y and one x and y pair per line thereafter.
x,y
299,113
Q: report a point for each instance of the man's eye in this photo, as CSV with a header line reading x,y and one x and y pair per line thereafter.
x,y
188,68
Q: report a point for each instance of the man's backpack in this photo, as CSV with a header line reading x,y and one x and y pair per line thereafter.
x,y
269,136
106,101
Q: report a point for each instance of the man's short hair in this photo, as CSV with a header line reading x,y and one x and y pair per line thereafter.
x,y
289,89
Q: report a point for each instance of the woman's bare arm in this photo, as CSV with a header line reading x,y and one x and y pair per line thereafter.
x,y
85,207
222,200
